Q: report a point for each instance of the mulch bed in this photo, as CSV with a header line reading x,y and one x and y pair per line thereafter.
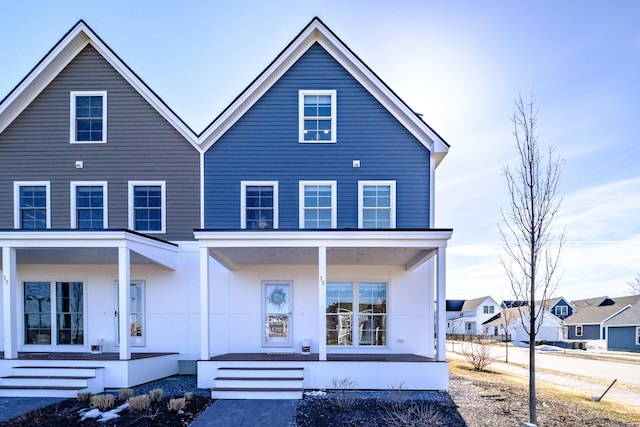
x,y
67,413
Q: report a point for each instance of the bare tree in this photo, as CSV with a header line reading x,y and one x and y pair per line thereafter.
x,y
531,248
505,321
634,284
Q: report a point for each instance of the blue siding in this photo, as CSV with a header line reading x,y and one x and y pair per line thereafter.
x,y
263,145
562,303
589,332
623,338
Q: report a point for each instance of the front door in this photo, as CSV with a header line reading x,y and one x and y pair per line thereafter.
x,y
137,327
53,313
277,314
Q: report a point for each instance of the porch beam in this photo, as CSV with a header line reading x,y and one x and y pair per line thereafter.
x,y
204,303
441,296
322,303
124,296
9,302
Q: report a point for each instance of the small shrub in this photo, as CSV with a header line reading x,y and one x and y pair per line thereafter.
x,y
413,414
177,404
188,395
156,394
478,354
139,403
125,393
84,396
343,396
103,401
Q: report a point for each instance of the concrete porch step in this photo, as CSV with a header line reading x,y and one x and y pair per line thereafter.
x,y
57,381
258,383
256,393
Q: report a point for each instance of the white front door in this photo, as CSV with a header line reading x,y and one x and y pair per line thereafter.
x,y
137,327
277,316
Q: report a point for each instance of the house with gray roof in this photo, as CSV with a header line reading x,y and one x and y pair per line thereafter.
x,y
466,316
589,323
623,330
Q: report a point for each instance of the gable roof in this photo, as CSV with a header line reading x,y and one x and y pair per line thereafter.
x,y
472,304
593,315
551,302
317,32
628,317
589,302
59,57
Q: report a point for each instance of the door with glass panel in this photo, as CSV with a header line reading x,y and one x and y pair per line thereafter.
x,y
137,327
277,309
53,313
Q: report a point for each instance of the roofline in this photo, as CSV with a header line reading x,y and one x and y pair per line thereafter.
x,y
317,32
76,39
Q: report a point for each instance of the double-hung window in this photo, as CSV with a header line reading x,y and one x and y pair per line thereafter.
x,y
88,117
561,310
488,309
317,115
376,204
31,205
147,206
318,204
89,205
259,204
578,331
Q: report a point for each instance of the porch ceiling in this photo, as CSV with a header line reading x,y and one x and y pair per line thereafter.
x,y
87,247
409,248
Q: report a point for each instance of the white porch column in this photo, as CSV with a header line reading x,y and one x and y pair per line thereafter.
x,y
322,303
124,306
204,304
441,320
9,294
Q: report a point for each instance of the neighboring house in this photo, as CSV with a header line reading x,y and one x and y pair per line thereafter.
x,y
605,301
560,307
513,303
509,322
623,330
466,316
315,253
589,323
99,196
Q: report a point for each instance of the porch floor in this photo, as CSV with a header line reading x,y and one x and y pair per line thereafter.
x,y
81,356
314,357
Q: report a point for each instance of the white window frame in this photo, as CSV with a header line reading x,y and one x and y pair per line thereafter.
x,y
72,115
301,116
637,335
561,310
334,201
243,200
133,341
105,202
488,309
392,193
579,328
17,224
54,316
163,211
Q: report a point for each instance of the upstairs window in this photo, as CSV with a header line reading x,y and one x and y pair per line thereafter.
x,y
377,204
89,205
147,206
317,204
31,205
88,117
488,309
259,205
561,310
317,115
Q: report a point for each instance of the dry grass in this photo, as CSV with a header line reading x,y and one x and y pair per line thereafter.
x,y
550,392
139,403
103,401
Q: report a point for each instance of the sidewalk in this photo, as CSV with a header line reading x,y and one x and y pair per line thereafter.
x,y
248,413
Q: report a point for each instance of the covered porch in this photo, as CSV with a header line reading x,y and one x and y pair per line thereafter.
x,y
405,260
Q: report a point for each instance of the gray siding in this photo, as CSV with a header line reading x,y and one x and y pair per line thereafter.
x,y
141,145
263,145
589,332
622,338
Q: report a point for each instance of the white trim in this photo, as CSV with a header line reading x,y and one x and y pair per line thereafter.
x,y
301,116
581,330
162,185
288,342
17,224
334,201
637,335
132,340
105,205
72,116
392,212
243,200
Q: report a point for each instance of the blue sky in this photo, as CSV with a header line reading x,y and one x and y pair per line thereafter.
x,y
459,63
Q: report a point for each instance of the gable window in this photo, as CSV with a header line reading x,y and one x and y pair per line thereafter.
x,y
89,205
259,204
317,204
376,204
317,115
578,331
357,314
488,309
561,310
88,117
147,207
31,205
